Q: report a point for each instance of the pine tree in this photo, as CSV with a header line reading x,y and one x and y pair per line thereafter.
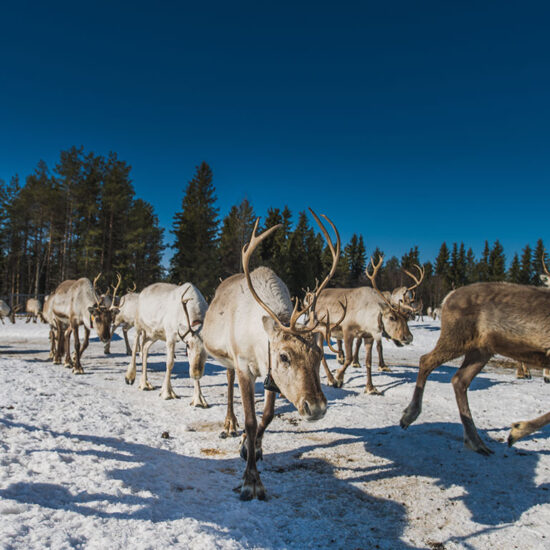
x,y
471,271
526,275
274,250
355,258
236,231
497,263
514,273
483,264
195,228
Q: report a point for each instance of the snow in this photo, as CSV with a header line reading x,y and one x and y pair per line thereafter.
x,y
83,464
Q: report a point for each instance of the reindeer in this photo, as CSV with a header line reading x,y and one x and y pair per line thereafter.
x,y
478,321
126,316
7,311
33,307
522,370
252,328
76,303
370,315
170,312
436,313
402,298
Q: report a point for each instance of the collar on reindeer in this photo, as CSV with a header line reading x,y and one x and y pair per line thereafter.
x,y
269,383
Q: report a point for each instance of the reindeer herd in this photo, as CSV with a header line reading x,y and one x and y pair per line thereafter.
x,y
254,329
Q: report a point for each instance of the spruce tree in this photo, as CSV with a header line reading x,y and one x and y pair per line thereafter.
x,y
497,263
195,229
526,275
483,264
236,231
514,273
355,258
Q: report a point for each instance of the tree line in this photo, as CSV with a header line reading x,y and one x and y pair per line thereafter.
x,y
77,220
82,217
207,250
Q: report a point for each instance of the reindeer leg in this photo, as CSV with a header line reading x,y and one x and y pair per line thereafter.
x,y
348,343
340,355
330,379
230,425
428,363
356,353
474,361
86,340
125,334
167,392
131,370
252,485
77,367
526,427
59,343
143,383
67,337
546,375
369,388
382,367
267,417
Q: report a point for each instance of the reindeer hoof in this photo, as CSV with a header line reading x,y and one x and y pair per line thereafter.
x,y
408,418
478,447
372,391
244,452
547,379
384,368
356,365
78,370
251,490
129,381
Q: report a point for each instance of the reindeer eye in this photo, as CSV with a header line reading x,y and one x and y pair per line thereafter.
x,y
392,318
284,358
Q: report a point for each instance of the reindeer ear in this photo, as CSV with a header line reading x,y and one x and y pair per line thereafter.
x,y
269,326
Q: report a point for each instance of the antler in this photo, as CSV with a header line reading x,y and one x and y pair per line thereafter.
x,y
133,287
543,264
184,304
330,327
417,282
255,240
95,289
119,278
372,278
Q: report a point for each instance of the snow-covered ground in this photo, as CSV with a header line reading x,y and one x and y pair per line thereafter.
x,y
83,464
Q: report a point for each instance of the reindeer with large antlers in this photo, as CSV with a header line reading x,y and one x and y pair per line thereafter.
x,y
370,315
404,299
171,313
75,304
253,329
125,318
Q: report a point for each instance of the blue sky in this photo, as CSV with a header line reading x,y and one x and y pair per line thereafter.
x,y
408,122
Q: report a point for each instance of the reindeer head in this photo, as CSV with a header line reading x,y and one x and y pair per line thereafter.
x,y
103,312
192,336
294,358
392,320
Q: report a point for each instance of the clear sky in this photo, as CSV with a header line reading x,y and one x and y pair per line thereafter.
x,y
408,122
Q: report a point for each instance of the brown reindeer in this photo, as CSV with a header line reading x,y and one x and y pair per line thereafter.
x,y
479,321
370,315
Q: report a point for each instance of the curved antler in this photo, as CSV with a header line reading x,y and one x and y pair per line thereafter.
x,y
372,278
330,327
119,278
184,304
417,282
255,240
133,287
543,264
96,278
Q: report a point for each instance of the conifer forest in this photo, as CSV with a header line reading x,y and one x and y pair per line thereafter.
x,y
82,217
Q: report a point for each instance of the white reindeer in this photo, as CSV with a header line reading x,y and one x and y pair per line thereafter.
x,y
170,313
252,329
